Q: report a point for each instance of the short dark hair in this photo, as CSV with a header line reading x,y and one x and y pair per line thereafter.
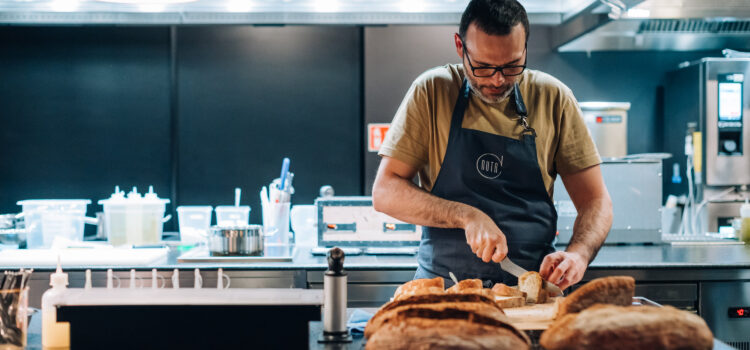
x,y
494,17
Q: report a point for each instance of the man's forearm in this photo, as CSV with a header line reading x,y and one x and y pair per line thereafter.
x,y
591,228
405,201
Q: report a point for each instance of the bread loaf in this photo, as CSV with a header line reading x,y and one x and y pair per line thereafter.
x,y
466,285
628,327
471,302
509,302
502,290
419,328
615,290
532,284
420,286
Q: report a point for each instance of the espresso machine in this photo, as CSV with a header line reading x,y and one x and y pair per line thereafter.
x,y
706,128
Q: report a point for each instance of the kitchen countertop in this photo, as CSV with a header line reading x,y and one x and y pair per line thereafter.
x,y
642,257
316,329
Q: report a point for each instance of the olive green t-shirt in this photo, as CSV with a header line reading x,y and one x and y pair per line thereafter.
x,y
419,132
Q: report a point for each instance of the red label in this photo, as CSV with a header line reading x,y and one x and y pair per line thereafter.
x,y
375,135
599,119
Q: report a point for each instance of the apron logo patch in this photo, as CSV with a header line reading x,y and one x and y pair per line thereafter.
x,y
489,165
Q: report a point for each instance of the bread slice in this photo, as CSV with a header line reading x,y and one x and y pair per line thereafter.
x,y
502,290
628,327
615,290
420,286
510,302
424,332
532,284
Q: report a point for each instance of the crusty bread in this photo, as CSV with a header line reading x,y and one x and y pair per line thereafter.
x,y
420,286
464,285
510,302
615,290
628,327
446,329
532,284
429,301
502,290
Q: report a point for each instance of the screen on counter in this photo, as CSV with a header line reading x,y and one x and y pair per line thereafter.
x,y
730,97
739,312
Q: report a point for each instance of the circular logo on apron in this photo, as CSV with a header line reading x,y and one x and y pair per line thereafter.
x,y
489,165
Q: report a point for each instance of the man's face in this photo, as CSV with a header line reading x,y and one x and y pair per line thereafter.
x,y
492,50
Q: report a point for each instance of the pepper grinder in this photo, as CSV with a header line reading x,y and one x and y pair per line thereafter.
x,y
334,300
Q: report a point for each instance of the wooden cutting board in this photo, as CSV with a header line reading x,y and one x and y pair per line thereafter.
x,y
533,317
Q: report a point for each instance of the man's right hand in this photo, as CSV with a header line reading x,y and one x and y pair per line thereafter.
x,y
486,240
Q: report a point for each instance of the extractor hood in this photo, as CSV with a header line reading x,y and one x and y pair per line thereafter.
x,y
264,12
671,25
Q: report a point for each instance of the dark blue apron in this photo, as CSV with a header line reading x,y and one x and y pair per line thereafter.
x,y
501,177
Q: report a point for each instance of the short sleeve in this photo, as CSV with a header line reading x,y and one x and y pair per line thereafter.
x,y
408,137
576,150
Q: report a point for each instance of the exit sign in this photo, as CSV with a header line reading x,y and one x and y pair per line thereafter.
x,y
376,135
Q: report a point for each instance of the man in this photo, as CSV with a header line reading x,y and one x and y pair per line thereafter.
x,y
487,138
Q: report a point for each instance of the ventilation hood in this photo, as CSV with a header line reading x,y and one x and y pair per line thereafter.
x,y
264,12
684,25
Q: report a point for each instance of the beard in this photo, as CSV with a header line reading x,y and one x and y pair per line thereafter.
x,y
476,89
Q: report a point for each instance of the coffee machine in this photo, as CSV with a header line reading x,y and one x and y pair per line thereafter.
x,y
706,128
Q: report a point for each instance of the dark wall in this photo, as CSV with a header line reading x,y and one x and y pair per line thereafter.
x,y
81,110
211,108
249,96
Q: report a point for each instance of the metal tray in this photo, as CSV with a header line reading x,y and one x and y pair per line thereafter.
x,y
282,253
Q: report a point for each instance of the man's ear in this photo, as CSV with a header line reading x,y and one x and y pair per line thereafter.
x,y
459,46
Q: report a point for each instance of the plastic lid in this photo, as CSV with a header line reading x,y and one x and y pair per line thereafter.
x,y
151,196
58,278
54,201
745,210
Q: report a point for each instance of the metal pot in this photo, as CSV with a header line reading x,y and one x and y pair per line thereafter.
x,y
236,240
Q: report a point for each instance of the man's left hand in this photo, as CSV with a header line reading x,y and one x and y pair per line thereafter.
x,y
563,269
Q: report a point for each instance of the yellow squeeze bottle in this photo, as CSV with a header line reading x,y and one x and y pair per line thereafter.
x,y
55,335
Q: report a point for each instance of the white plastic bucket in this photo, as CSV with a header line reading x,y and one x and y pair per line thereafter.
x,y
46,219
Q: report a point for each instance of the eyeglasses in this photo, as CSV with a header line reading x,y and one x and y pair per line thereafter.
x,y
488,71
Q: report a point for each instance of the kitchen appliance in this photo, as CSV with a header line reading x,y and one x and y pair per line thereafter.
x,y
634,184
46,219
608,125
236,240
726,308
706,106
353,222
335,298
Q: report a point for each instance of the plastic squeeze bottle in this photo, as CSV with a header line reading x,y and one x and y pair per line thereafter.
x,y
55,335
745,226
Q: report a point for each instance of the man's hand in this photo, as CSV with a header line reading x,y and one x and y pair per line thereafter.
x,y
563,269
486,240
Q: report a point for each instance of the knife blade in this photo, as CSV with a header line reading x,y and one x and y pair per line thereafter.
x,y
515,270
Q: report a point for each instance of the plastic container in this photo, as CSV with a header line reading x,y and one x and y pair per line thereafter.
x,y
276,223
228,215
194,222
134,220
49,218
305,225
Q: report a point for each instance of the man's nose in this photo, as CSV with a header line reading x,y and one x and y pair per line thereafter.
x,y
498,78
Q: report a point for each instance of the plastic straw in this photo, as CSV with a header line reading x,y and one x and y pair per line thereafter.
x,y
284,171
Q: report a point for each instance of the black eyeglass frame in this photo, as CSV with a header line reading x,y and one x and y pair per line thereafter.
x,y
495,69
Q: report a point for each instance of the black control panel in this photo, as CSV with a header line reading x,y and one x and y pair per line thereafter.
x,y
730,113
739,312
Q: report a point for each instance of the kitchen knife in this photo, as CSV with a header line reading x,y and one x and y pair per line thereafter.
x,y
517,271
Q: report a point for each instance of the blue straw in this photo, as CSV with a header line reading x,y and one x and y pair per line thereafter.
x,y
284,171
